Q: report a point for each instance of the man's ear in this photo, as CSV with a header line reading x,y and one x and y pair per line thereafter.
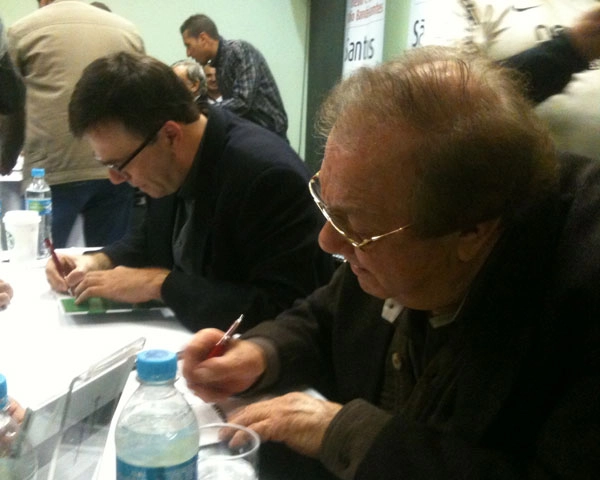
x,y
172,131
479,240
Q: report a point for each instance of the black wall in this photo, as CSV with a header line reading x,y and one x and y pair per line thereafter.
x,y
325,52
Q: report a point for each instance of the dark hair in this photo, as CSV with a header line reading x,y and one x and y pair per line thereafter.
x,y
477,147
196,24
137,90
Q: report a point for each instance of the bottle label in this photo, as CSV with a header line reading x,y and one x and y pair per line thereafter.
x,y
183,471
41,205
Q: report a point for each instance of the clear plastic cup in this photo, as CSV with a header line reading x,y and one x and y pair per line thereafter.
x,y
227,451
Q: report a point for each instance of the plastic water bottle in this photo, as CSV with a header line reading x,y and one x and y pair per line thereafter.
x,y
17,459
157,432
38,197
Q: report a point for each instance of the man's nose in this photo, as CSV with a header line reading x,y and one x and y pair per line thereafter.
x,y
331,241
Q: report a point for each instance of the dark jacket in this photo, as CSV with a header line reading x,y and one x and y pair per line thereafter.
x,y
252,246
547,67
516,393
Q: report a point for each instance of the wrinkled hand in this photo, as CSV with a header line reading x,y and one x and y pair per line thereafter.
x,y
585,34
121,284
218,378
6,293
296,419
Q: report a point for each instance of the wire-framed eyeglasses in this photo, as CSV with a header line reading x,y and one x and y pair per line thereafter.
x,y
314,186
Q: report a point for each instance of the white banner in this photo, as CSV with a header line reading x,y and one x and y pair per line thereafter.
x,y
435,22
363,36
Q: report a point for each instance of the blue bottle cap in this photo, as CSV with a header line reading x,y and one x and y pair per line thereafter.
x,y
38,172
156,365
3,391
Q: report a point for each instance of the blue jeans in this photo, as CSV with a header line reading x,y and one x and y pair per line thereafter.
x,y
106,210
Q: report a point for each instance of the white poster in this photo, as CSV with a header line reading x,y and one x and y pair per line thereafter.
x,y
435,22
363,37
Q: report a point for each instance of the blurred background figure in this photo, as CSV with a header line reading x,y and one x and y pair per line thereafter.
x,y
12,100
192,74
502,28
243,75
42,48
12,89
212,86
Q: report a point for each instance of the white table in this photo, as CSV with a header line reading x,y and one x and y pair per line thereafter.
x,y
42,349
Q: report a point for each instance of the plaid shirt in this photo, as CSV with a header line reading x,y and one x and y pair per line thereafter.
x,y
248,86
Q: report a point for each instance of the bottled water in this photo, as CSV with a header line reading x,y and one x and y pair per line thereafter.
x,y
38,197
17,458
157,433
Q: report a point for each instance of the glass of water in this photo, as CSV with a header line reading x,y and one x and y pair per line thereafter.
x,y
227,452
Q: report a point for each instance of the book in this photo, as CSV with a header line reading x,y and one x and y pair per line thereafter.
x,y
97,305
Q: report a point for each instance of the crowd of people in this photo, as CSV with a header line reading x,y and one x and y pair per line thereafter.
x,y
460,338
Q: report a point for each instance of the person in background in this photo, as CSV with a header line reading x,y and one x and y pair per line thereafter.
x,y
12,101
6,294
243,76
43,48
212,86
503,28
12,98
549,66
229,228
192,75
461,338
12,88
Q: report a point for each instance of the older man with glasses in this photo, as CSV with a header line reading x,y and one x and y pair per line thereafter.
x,y
230,227
461,339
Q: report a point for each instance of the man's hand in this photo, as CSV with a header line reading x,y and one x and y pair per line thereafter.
x,y
6,293
121,284
220,377
75,267
296,419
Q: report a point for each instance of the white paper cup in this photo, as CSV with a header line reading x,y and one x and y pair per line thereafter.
x,y
22,230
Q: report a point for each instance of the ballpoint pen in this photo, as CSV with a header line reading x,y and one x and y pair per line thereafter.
x,y
57,263
219,347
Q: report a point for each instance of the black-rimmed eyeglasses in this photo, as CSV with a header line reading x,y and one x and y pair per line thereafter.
x,y
120,166
314,185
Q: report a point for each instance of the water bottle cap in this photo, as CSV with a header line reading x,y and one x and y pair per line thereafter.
x,y
3,391
156,365
38,172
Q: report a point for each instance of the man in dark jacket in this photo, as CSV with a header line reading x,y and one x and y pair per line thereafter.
x,y
230,227
461,339
12,101
12,88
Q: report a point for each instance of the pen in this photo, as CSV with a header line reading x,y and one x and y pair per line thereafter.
x,y
219,347
56,261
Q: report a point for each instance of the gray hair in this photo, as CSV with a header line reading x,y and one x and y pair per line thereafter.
x,y
477,147
195,73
